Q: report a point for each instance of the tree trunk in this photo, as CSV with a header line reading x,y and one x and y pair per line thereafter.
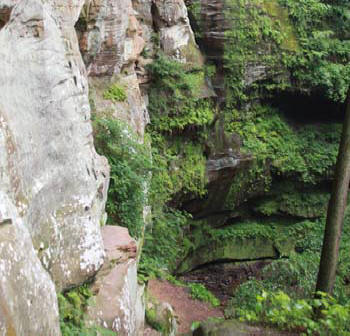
x,y
336,209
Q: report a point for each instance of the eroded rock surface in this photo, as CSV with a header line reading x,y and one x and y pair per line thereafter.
x,y
175,32
119,299
119,38
230,249
48,162
28,303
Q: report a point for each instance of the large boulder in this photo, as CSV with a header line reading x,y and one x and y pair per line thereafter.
x,y
49,165
160,316
28,303
118,303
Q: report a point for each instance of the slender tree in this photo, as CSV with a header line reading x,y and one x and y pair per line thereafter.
x,y
336,209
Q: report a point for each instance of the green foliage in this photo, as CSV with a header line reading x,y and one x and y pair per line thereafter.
x,y
163,244
179,169
200,292
297,274
130,166
175,97
72,307
276,230
178,173
307,153
291,199
306,37
278,309
115,93
259,34
323,59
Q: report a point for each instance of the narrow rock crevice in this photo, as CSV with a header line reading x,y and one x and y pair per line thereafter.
x,y
5,14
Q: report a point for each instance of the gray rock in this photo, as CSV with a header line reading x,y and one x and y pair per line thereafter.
x,y
161,316
49,165
175,32
28,303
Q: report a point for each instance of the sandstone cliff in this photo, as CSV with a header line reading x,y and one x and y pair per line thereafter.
x,y
53,184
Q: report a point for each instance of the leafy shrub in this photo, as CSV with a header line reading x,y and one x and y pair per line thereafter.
x,y
115,93
322,62
278,309
130,166
178,174
297,274
200,292
179,169
306,37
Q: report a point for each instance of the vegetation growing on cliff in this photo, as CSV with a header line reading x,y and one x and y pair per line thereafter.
x,y
263,33
307,152
279,196
297,277
130,164
115,93
72,309
298,44
176,101
178,116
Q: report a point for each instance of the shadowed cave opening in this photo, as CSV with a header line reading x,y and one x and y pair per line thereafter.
x,y
308,108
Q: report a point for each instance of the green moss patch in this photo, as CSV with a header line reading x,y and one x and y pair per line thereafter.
x,y
115,93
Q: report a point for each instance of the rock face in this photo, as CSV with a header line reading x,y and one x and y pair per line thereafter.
x,y
161,316
48,163
26,290
53,185
119,299
117,40
231,249
175,33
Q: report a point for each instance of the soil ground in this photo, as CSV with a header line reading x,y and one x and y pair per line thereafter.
x,y
222,280
186,309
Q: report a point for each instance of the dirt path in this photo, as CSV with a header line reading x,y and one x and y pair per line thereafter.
x,y
186,309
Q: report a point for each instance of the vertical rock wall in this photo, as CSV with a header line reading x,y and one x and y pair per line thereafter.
x,y
53,185
52,171
28,303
